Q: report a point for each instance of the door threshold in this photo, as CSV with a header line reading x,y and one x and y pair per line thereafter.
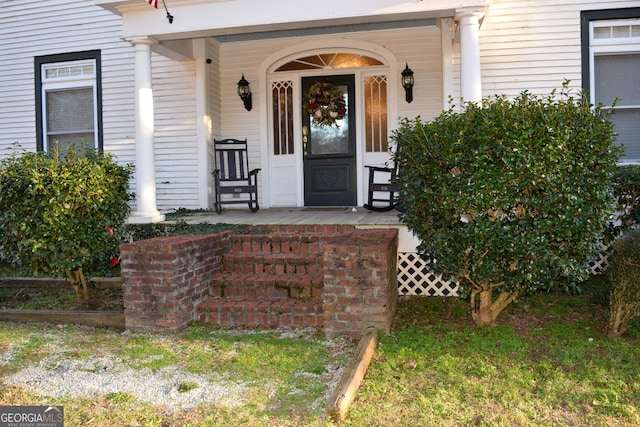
x,y
325,208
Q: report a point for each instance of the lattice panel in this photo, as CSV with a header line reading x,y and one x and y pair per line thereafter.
x,y
415,278
599,265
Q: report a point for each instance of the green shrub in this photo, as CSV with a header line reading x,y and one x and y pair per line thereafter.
x,y
62,215
623,273
508,196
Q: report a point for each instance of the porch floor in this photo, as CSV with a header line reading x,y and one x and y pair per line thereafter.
x,y
298,216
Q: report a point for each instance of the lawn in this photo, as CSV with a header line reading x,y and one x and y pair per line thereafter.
x,y
546,363
200,377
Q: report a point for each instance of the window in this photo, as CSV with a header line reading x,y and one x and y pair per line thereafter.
x,y
329,60
611,63
375,114
68,96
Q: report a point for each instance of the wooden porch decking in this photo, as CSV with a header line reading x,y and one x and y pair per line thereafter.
x,y
300,216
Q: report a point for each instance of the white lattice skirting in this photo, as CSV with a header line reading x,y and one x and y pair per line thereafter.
x,y
415,277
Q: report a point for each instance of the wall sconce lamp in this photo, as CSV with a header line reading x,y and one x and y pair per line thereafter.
x,y
244,91
407,83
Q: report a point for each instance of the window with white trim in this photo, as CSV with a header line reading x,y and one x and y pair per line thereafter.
x,y
68,109
614,68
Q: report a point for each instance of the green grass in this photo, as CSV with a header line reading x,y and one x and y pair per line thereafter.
x,y
547,363
285,377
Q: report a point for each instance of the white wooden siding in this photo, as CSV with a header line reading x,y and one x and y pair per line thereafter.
x,y
175,133
30,28
533,45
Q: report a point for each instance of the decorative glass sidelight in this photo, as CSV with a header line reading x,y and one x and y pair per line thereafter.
x,y
282,99
375,113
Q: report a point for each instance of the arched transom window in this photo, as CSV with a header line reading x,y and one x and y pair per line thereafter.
x,y
324,61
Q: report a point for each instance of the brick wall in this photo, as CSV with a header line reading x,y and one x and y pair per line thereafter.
x,y
360,282
164,279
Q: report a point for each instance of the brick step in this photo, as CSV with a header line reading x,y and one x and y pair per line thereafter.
x,y
305,242
247,285
273,263
261,312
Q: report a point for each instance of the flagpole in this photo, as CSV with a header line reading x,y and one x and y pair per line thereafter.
x,y
169,16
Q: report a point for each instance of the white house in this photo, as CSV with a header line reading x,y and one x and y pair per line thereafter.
x,y
121,76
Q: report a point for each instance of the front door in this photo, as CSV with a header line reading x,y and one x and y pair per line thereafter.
x,y
329,150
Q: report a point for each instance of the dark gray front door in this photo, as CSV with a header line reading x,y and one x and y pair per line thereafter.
x,y
329,151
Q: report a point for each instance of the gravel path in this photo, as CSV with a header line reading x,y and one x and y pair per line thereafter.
x,y
105,374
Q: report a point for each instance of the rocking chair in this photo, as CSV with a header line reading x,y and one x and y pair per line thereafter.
x,y
232,177
382,195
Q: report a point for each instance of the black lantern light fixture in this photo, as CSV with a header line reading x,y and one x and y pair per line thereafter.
x,y
407,83
244,91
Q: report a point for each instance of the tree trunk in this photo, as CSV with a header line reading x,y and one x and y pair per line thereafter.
x,y
616,323
486,310
483,314
79,284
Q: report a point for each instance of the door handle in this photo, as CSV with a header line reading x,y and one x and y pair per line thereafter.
x,y
305,133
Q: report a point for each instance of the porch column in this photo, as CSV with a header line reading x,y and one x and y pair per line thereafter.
x,y
447,35
145,172
470,75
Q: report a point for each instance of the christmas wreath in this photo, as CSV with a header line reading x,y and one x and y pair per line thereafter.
x,y
325,103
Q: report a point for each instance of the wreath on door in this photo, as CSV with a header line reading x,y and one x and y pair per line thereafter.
x,y
325,103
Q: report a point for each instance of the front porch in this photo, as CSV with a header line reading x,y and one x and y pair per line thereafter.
x,y
186,91
414,276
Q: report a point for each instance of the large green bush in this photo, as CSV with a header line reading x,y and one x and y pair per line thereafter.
x,y
62,215
508,196
623,273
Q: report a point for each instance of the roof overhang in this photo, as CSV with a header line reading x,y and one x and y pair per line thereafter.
x,y
214,18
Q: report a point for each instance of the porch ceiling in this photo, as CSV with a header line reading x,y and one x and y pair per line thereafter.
x,y
314,31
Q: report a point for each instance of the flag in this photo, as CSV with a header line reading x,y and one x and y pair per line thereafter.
x,y
153,3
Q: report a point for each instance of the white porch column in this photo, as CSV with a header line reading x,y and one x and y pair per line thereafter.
x,y
145,170
204,121
447,34
470,75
